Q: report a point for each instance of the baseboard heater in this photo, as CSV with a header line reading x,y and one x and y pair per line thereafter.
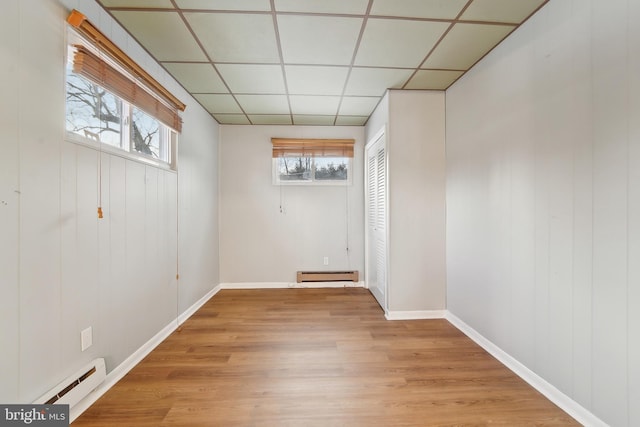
x,y
327,276
73,389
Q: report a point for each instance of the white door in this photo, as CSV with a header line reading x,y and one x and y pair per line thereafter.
x,y
376,232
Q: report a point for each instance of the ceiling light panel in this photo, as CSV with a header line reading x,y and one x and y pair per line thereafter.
x,y
398,43
351,7
375,81
270,119
235,37
358,105
465,44
197,78
434,9
252,78
318,39
138,3
433,79
310,80
351,120
214,103
231,119
163,34
263,5
264,104
313,120
501,10
315,105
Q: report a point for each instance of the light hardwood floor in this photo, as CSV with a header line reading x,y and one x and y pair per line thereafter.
x,y
317,357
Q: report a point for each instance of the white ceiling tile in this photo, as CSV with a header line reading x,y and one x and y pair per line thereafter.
x,y
398,43
358,105
315,105
270,119
314,120
351,120
465,44
318,39
251,78
138,3
310,80
501,10
231,119
163,34
234,37
433,79
218,103
375,81
351,7
264,104
435,9
262,5
197,78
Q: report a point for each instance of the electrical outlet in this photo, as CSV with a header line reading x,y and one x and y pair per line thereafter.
x,y
86,338
326,260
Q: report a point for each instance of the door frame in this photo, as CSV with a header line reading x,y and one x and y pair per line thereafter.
x,y
381,133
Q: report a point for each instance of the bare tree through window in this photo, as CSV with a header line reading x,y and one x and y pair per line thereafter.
x,y
96,114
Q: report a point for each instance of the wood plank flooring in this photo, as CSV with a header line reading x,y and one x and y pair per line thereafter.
x,y
317,357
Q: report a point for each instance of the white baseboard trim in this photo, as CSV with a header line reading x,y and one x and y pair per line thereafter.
x,y
290,285
136,357
121,370
195,307
571,407
415,315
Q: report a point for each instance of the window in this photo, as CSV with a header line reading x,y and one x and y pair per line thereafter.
x,y
312,161
106,104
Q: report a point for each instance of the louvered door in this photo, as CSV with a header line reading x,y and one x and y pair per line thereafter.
x,y
376,193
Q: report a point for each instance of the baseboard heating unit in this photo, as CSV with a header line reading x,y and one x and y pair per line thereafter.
x,y
327,276
73,389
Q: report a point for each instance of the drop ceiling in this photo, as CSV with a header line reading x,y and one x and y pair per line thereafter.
x,y
314,62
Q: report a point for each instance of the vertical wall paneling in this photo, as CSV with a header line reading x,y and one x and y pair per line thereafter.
x,y
40,80
9,204
554,166
633,298
582,199
610,220
115,308
557,104
61,268
197,199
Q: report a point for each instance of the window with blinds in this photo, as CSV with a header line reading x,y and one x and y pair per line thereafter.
x,y
312,161
110,100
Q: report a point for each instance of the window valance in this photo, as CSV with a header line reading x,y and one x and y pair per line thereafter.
x,y
294,147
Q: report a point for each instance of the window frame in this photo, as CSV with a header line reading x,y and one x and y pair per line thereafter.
x,y
168,136
342,150
276,179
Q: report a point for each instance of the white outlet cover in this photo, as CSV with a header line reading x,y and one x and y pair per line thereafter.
x,y
86,338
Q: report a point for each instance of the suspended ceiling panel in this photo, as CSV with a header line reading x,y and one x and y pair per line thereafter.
x,y
320,62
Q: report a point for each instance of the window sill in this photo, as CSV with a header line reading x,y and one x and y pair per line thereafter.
x,y
109,149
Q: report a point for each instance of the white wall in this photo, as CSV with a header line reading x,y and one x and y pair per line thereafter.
x,y
63,269
258,242
543,201
415,135
416,191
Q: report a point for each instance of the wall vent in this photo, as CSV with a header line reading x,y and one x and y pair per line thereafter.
x,y
73,389
327,276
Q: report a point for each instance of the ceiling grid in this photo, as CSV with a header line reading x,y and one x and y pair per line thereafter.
x,y
314,62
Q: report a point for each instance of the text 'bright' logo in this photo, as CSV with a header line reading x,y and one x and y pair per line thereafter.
x,y
36,415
